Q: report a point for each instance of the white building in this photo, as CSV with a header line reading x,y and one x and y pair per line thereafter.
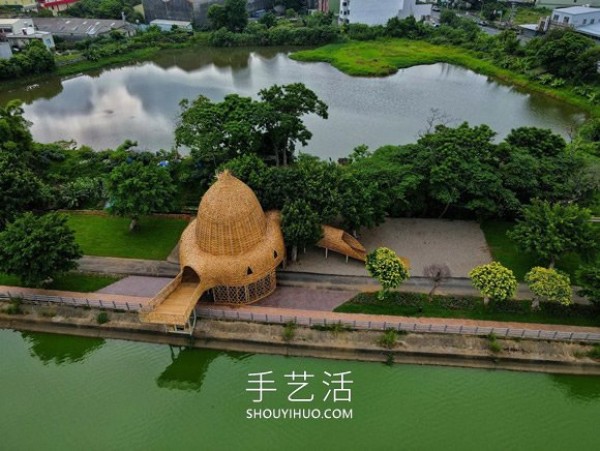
x,y
378,12
583,19
14,25
18,32
566,3
22,39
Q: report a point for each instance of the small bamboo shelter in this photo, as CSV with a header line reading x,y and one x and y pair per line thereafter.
x,y
230,251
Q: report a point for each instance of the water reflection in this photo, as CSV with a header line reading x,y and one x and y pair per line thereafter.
x,y
60,349
141,102
189,367
581,388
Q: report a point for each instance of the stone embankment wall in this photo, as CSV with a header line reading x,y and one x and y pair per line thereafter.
x,y
413,348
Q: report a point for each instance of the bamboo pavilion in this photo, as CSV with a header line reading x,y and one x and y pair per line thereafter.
x,y
229,253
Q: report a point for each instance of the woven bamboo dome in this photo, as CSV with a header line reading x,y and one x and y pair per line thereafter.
x,y
230,218
230,251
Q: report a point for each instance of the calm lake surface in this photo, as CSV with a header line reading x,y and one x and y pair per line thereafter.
x,y
141,102
70,393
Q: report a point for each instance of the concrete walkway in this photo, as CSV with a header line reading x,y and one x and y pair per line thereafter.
x,y
333,317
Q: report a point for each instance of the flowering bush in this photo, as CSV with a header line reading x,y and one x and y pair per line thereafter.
x,y
550,285
390,271
494,281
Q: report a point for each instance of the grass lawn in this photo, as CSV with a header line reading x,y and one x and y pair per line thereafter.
x,y
530,15
109,236
506,252
72,281
383,57
418,305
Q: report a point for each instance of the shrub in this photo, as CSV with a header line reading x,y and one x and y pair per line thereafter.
x,y
102,318
289,331
595,352
388,339
494,281
14,308
549,284
384,265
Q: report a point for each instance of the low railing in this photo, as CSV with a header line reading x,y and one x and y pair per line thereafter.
x,y
240,315
309,321
77,302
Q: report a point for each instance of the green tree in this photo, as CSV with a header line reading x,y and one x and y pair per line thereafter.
x,y
361,203
300,226
589,280
564,53
232,15
270,127
458,168
218,132
384,265
552,230
494,281
20,188
535,163
549,285
136,189
14,130
37,248
284,107
268,20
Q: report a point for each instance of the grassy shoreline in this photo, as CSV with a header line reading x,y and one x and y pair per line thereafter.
x,y
385,57
468,307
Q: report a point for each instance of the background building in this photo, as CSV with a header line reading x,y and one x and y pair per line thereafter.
x,y
194,11
72,28
380,11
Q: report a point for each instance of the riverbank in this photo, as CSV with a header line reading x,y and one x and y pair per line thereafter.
x,y
331,342
384,57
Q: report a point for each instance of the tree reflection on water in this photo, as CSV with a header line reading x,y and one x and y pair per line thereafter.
x,y
61,349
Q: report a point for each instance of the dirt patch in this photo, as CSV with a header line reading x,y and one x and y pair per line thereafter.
x,y
460,245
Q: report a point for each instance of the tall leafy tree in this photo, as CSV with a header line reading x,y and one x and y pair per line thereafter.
x,y
20,188
218,132
300,226
284,107
270,127
536,163
232,15
361,202
458,166
137,189
37,248
552,230
14,129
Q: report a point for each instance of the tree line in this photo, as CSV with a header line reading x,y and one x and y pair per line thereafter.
x,y
532,175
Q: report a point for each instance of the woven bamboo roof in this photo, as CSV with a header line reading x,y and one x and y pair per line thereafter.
x,y
230,218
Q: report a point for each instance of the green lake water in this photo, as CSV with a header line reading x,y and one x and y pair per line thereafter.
x,y
70,393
